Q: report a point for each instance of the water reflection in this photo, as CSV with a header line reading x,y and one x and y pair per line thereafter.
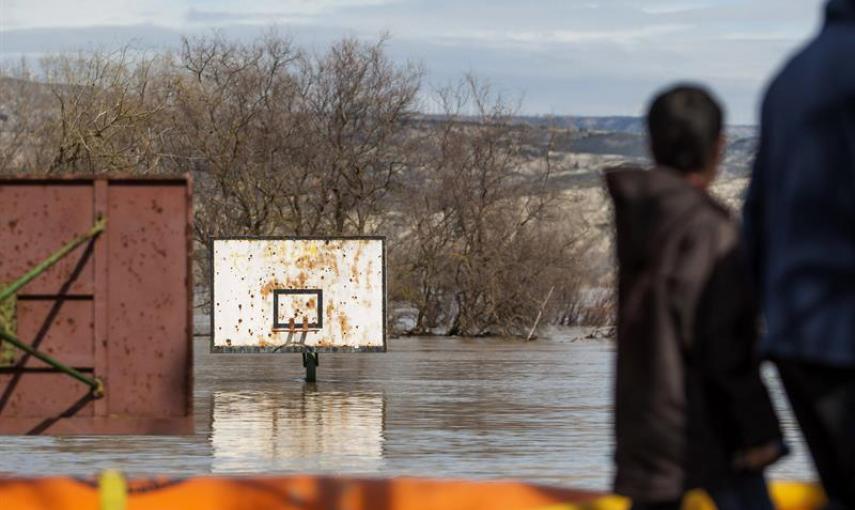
x,y
465,408
309,431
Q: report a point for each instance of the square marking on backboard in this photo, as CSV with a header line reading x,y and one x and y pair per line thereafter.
x,y
298,304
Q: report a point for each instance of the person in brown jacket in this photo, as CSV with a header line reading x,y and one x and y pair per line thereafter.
x,y
691,410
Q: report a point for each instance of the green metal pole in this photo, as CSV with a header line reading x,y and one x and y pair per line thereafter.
x,y
15,286
93,382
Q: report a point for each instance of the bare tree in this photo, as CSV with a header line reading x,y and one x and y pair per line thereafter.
x,y
22,118
483,245
232,111
106,114
281,141
356,104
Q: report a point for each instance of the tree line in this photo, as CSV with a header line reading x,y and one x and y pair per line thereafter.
x,y
283,141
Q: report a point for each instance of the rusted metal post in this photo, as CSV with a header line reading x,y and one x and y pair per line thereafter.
x,y
311,362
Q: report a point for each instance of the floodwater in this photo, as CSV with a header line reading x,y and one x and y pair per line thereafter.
x,y
437,407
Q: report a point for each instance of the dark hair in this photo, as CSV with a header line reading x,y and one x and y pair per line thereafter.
x,y
684,124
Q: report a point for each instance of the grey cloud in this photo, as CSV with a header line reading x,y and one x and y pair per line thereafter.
x,y
198,17
55,40
603,57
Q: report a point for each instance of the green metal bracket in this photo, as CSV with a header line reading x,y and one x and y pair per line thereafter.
x,y
93,382
55,257
8,318
8,322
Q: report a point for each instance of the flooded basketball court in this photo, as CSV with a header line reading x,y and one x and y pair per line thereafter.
x,y
436,407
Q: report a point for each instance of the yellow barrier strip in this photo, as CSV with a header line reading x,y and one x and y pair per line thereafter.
x,y
785,495
797,496
113,490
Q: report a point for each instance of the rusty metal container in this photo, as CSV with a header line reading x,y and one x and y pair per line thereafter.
x,y
118,307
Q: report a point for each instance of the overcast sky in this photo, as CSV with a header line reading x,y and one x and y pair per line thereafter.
x,y
585,57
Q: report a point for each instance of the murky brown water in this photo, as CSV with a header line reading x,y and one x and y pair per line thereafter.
x,y
437,407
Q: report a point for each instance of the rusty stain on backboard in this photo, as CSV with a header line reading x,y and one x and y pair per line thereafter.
x,y
290,294
118,307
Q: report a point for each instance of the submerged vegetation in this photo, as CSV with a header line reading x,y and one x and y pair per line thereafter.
x,y
281,141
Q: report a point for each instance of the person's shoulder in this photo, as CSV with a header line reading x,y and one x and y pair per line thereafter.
x,y
823,56
717,221
790,74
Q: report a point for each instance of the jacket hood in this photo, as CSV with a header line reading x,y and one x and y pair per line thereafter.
x,y
840,10
648,205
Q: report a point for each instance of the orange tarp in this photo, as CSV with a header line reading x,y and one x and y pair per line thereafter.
x,y
298,493
328,493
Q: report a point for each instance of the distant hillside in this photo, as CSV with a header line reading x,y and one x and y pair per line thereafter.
x,y
614,124
625,124
617,124
622,137
618,143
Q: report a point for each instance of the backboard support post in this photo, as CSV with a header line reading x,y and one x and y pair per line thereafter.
x,y
311,362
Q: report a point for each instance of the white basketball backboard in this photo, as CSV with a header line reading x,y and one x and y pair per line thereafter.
x,y
290,294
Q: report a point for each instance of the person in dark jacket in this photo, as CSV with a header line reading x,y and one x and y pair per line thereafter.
x,y
800,232
691,410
